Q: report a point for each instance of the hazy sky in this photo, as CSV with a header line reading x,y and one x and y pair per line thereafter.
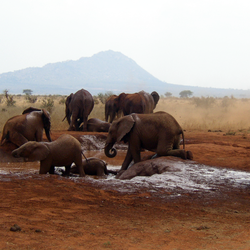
x,y
188,42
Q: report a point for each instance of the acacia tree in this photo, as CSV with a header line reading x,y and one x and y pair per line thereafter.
x,y
185,93
168,94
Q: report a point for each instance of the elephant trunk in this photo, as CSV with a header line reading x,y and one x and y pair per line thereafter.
x,y
109,150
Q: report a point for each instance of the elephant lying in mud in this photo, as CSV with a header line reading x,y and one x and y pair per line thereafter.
x,y
93,166
147,168
61,152
97,125
158,132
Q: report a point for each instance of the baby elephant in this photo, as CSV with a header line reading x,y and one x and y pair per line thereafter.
x,y
93,166
61,152
97,125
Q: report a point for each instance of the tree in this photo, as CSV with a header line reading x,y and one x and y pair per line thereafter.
x,y
185,93
27,91
168,94
29,97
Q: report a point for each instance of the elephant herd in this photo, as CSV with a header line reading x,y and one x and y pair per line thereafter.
x,y
139,127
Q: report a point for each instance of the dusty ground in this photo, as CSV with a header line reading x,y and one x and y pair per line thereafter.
x,y
58,213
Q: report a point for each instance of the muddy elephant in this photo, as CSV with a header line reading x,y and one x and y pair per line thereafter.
x,y
62,152
27,127
140,103
78,108
146,168
93,166
158,132
97,125
112,109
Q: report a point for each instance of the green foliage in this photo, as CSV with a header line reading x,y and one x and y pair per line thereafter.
x,y
27,91
203,102
185,93
48,104
107,244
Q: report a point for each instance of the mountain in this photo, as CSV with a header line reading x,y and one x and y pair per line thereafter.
x,y
104,71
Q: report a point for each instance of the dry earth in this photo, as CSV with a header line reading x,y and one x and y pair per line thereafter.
x,y
54,212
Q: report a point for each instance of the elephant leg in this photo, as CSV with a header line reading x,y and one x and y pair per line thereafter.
x,y
74,123
52,170
67,170
190,155
45,167
17,138
127,160
177,153
79,165
85,118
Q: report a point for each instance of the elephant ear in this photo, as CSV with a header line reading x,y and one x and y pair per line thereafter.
x,y
39,152
46,123
124,126
156,97
68,99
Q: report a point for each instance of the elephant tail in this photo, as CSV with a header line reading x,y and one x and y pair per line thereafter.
x,y
85,157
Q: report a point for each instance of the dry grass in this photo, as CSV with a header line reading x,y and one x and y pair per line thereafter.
x,y
201,114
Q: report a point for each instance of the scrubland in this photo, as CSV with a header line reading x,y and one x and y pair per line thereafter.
x,y
227,114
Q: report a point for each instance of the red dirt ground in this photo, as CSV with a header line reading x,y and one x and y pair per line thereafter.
x,y
57,213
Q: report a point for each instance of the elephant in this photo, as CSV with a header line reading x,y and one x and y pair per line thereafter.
x,y
61,152
97,125
27,127
78,108
112,108
93,166
140,103
158,132
146,168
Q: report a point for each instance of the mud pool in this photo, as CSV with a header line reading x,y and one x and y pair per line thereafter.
x,y
182,177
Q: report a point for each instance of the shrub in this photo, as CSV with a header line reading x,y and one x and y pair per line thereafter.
x,y
48,104
203,102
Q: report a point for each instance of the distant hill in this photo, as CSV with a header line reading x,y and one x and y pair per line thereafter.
x,y
105,71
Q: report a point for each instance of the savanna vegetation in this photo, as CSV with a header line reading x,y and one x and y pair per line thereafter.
x,y
227,114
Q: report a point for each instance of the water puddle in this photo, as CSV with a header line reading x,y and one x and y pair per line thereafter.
x,y
182,177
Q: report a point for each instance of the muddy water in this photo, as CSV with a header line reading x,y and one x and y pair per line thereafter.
x,y
182,178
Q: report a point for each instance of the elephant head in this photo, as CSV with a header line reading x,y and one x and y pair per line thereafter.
x,y
119,131
32,151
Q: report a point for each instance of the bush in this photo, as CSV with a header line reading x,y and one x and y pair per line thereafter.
x,y
203,102
48,104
